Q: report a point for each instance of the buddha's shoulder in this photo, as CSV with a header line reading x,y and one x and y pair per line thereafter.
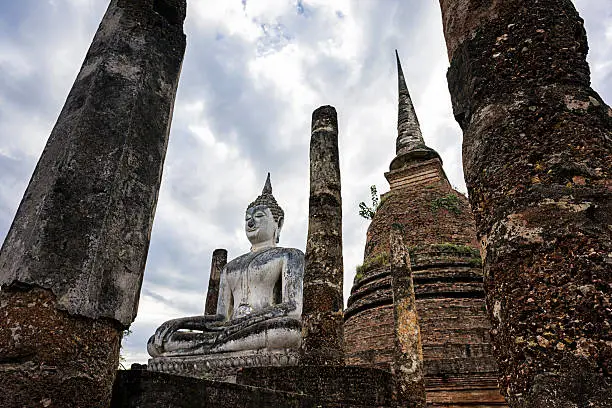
x,y
290,251
280,252
267,254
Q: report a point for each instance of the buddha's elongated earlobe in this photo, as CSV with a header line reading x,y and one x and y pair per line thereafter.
x,y
281,220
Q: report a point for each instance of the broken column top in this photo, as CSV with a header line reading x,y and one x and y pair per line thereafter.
x,y
324,118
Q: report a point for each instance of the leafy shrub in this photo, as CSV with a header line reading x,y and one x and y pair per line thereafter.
x,y
368,212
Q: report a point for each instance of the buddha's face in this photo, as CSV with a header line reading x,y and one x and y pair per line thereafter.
x,y
260,226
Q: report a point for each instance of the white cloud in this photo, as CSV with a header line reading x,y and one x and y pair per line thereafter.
x,y
252,77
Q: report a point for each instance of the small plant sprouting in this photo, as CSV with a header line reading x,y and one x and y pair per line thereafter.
x,y
368,212
376,261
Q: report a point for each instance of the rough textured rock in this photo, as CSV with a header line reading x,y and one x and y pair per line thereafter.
x,y
537,156
145,389
72,263
51,359
322,315
219,259
408,358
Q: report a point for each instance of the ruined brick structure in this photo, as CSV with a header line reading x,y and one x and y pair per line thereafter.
x,y
438,227
537,157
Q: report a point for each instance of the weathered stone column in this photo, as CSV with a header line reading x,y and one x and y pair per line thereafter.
x,y
322,317
537,155
72,263
219,259
408,356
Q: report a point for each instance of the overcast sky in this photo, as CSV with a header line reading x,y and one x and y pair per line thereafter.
x,y
253,73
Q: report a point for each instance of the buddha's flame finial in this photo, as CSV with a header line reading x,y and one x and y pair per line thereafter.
x,y
268,186
408,130
266,198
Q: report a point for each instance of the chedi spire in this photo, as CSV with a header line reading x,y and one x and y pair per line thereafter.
x,y
409,133
409,144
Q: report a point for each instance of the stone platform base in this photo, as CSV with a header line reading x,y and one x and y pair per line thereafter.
x,y
258,387
223,366
332,386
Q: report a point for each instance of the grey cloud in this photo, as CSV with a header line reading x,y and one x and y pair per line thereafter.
x,y
255,118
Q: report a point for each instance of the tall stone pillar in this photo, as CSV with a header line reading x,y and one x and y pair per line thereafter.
x,y
537,155
322,315
408,356
72,264
219,259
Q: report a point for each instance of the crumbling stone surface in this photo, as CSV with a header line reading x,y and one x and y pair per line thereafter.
x,y
537,157
82,229
408,359
282,387
51,359
219,259
322,314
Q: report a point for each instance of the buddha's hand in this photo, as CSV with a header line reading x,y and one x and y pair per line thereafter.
x,y
269,312
155,345
204,323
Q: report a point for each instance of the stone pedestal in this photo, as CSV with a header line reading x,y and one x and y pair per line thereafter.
x,y
223,366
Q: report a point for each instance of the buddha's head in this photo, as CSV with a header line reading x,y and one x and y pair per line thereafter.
x,y
264,219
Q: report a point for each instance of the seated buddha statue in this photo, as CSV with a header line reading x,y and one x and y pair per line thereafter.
x,y
260,296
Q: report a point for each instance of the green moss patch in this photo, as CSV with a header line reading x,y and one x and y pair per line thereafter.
x,y
449,202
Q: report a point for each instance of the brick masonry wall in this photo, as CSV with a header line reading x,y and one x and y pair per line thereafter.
x,y
412,209
146,389
439,229
331,385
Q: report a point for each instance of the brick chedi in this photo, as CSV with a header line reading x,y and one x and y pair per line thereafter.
x,y
437,225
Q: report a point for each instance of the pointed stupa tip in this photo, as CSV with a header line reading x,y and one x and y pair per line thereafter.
x,y
268,186
409,136
408,130
401,81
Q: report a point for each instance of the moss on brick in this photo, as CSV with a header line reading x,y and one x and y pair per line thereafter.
x,y
449,202
378,260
